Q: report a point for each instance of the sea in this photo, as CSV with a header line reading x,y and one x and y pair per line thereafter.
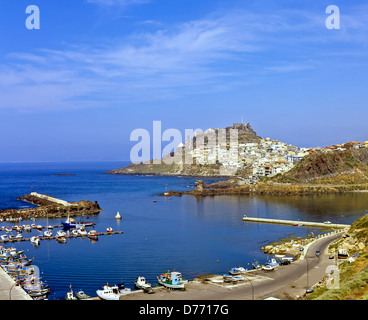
x,y
194,235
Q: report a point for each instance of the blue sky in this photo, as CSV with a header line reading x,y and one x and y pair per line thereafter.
x,y
98,69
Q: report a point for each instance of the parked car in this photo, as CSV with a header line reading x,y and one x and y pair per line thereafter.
x,y
284,262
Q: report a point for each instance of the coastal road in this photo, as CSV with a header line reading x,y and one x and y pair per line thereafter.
x,y
287,282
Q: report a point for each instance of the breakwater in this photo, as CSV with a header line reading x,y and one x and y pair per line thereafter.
x,y
51,207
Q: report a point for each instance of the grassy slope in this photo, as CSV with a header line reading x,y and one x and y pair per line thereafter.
x,y
336,167
353,276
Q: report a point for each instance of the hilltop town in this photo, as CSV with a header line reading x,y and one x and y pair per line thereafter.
x,y
235,151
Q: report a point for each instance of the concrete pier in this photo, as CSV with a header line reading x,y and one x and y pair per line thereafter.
x,y
51,199
9,290
297,223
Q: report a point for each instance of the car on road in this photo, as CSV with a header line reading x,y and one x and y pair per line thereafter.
x,y
284,262
318,253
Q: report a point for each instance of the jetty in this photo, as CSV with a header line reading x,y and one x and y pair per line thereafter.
x,y
50,206
66,236
299,223
50,199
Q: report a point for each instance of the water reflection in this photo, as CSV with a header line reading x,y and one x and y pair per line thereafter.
x,y
340,208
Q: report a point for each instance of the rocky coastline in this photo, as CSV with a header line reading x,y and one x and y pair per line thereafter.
x,y
51,209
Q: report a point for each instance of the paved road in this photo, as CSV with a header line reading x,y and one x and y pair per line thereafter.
x,y
7,289
285,282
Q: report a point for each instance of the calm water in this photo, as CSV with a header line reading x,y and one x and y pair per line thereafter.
x,y
189,234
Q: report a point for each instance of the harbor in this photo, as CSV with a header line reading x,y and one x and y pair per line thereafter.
x,y
153,231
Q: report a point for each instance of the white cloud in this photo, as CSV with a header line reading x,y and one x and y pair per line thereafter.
x,y
204,55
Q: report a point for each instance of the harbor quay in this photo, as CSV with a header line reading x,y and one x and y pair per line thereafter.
x,y
9,290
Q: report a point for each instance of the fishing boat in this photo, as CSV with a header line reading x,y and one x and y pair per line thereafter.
x,y
172,280
69,223
237,270
70,295
273,262
141,283
118,216
92,234
112,292
81,295
35,240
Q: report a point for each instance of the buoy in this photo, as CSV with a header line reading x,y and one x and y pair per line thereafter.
x,y
118,216
154,200
217,261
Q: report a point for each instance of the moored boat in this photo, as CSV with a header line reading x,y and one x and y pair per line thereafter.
x,y
112,292
92,234
47,233
70,295
81,295
141,283
237,270
172,280
35,240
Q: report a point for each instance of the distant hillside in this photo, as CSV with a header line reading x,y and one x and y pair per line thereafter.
x,y
245,134
329,167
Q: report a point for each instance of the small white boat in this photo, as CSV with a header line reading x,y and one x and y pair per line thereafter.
x,y
27,228
35,240
118,216
39,227
267,267
109,229
112,292
19,236
4,237
82,231
60,233
74,232
141,283
61,239
8,230
92,234
47,233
